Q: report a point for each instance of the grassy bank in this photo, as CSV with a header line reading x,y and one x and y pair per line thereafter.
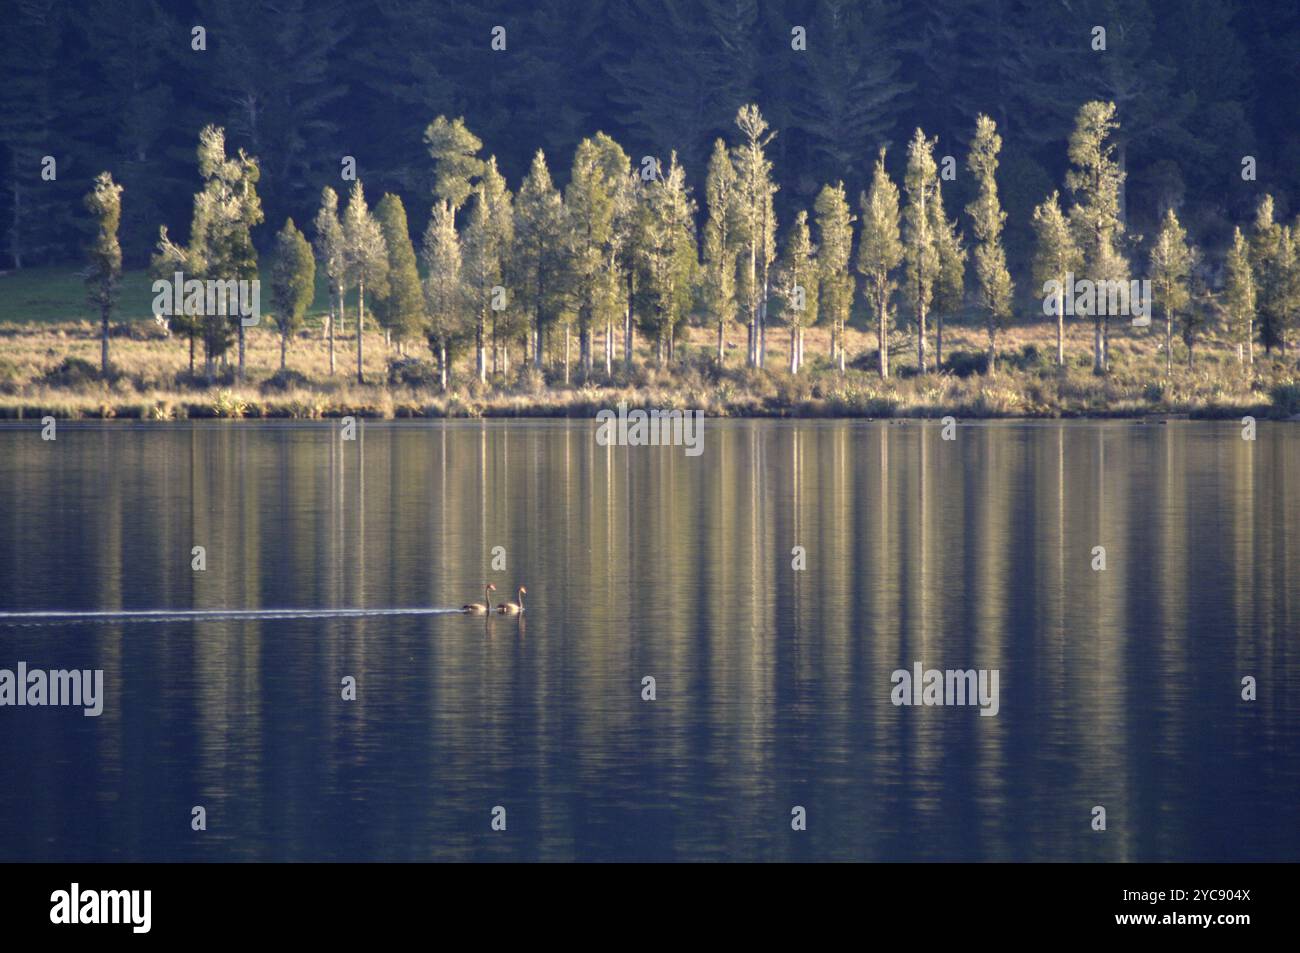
x,y
49,365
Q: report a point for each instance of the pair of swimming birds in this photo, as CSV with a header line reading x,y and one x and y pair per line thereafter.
x,y
505,608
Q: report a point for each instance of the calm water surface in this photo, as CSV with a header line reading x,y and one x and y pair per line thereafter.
x,y
1119,688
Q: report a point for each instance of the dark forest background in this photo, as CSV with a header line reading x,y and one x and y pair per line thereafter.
x,y
115,85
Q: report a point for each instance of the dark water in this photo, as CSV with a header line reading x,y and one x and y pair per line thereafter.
x,y
1119,688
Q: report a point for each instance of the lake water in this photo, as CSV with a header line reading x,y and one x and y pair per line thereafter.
x,y
1119,688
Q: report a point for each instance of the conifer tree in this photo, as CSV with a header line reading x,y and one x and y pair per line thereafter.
x,y
454,150
599,167
1055,257
880,251
489,233
104,273
293,283
444,290
920,248
1096,181
757,222
366,261
834,246
540,262
1272,263
668,256
627,256
1171,261
1239,298
950,282
220,246
721,245
331,249
987,219
797,286
401,309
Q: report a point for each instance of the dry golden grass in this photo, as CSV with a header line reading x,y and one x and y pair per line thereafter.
x,y
150,379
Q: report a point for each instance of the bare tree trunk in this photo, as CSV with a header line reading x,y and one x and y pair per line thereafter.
x,y
537,345
336,319
794,350
241,348
920,339
884,343
566,354
361,320
1098,363
1060,325
103,342
1169,343
480,349
1105,344
628,341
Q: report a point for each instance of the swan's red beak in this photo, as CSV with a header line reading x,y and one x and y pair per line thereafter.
x,y
492,587
523,590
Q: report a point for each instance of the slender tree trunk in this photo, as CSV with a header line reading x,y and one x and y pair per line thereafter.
x,y
1169,342
566,353
284,344
884,342
721,341
1098,365
1060,326
480,349
191,354
794,350
920,339
938,341
336,319
241,348
361,320
628,340
103,342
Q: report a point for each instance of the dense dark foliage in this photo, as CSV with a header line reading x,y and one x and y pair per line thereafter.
x,y
115,85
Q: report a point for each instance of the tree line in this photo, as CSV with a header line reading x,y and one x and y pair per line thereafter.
x,y
126,85
617,253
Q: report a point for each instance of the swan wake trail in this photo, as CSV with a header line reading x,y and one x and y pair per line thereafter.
x,y
54,617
